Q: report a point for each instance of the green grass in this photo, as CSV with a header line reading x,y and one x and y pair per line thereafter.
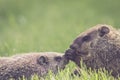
x,y
86,74
51,25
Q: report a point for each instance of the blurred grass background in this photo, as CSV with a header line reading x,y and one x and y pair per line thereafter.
x,y
50,25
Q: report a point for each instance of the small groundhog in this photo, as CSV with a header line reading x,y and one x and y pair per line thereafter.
x,y
26,65
98,47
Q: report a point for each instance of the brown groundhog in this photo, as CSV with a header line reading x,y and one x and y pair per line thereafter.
x,y
26,65
98,47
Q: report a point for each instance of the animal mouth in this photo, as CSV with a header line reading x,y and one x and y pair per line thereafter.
x,y
82,54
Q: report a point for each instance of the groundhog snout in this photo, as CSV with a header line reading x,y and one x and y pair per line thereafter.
x,y
69,54
66,60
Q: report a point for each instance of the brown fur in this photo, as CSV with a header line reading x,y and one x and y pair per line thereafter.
x,y
98,47
27,64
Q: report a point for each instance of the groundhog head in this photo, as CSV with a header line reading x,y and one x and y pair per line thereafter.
x,y
93,41
53,62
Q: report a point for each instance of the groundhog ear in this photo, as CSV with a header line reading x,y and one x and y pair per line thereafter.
x,y
42,60
103,30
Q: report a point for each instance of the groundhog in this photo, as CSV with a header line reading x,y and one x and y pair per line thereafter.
x,y
98,47
27,65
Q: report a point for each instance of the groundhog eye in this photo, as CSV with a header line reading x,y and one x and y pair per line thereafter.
x,y
86,38
58,58
42,60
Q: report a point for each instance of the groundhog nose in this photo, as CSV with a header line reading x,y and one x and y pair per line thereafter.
x,y
69,53
66,60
